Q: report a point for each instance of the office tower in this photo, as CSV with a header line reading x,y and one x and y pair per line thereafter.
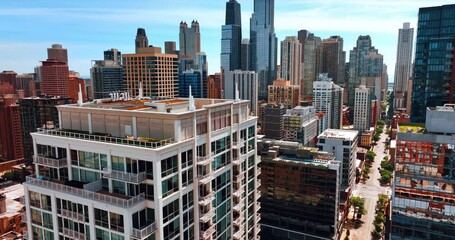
x,y
113,55
311,65
300,125
194,79
273,121
8,77
25,82
302,35
403,65
151,170
343,144
283,92
141,40
38,112
143,66
263,44
189,39
328,98
362,108
169,47
214,86
106,77
365,68
54,78
58,53
384,83
423,183
433,81
245,58
287,210
11,144
247,87
291,64
334,59
231,37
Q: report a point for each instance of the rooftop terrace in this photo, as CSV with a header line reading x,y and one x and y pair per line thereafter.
x,y
411,127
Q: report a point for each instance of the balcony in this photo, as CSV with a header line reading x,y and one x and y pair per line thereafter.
x,y
121,201
72,234
204,160
238,179
258,218
258,160
72,215
258,229
258,171
205,217
125,176
239,221
258,206
103,138
239,144
50,162
258,195
205,178
239,234
207,234
258,183
238,192
237,160
144,232
207,199
239,207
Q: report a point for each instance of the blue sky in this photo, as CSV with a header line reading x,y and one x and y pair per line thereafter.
x,y
88,27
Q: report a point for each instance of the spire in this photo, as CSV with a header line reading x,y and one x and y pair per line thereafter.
x,y
237,97
79,96
141,91
191,106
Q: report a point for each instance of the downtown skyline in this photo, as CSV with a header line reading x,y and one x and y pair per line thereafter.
x,y
86,29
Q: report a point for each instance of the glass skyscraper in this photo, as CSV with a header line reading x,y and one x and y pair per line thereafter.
x,y
231,37
434,77
263,44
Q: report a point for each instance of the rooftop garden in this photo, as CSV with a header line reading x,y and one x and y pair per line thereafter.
x,y
412,127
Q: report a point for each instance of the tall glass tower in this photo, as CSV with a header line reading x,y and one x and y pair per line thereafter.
x,y
263,44
231,38
434,75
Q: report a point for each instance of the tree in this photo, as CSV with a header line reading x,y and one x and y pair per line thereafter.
x,y
12,176
387,165
381,122
376,137
359,206
385,176
370,155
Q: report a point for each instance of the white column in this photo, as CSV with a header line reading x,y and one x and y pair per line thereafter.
x,y
90,128
54,215
134,120
59,123
68,160
91,217
158,199
28,212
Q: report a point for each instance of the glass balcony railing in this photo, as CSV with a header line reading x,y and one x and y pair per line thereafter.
x,y
125,176
50,162
207,216
144,143
144,232
206,234
96,196
72,234
72,215
207,199
204,160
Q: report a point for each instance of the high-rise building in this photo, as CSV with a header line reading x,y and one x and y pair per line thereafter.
x,y
273,121
38,112
25,82
170,47
214,86
194,79
289,173
403,64
8,77
247,87
263,44
311,65
11,144
434,75
362,108
143,66
384,83
54,78
58,53
364,62
291,64
424,178
151,170
189,39
283,92
106,77
231,37
343,144
245,59
334,59
141,40
302,35
328,98
300,125
113,55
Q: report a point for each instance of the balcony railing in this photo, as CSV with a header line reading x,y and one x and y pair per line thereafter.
x,y
238,192
50,162
258,159
239,207
32,180
125,176
258,229
239,234
72,234
258,217
73,215
205,178
238,144
258,183
145,232
258,206
106,139
206,234
207,199
237,160
207,216
259,171
239,220
238,179
204,160
258,194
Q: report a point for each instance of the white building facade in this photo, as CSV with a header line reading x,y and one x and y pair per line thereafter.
x,y
362,108
247,85
328,98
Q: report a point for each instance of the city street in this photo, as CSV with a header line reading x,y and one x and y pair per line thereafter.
x,y
369,191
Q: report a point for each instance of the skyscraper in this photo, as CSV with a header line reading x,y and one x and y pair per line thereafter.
x,y
54,78
11,142
328,98
189,39
434,75
245,59
231,37
141,39
57,52
291,64
403,64
263,44
334,59
169,47
311,65
106,77
362,108
113,55
194,79
8,77
247,86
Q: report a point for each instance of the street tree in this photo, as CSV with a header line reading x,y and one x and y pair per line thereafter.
x,y
359,206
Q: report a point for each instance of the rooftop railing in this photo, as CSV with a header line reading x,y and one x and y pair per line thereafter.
x,y
107,139
50,162
32,180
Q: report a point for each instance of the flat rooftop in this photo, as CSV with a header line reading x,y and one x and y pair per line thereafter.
x,y
349,135
411,127
319,161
